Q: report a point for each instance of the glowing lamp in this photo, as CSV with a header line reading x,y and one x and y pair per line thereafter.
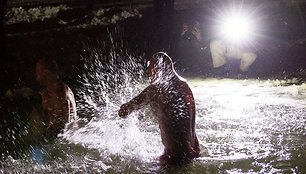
x,y
236,28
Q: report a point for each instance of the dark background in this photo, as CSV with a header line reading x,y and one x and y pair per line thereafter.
x,y
280,50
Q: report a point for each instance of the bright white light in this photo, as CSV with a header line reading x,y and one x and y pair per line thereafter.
x,y
236,28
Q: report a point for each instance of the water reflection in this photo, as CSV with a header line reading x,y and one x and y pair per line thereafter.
x,y
243,126
251,120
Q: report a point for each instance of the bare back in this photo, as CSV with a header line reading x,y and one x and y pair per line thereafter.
x,y
59,104
175,108
172,102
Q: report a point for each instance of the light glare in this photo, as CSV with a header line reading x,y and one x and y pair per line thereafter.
x,y
236,28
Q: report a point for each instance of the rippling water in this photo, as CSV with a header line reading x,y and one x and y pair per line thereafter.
x,y
251,125
246,126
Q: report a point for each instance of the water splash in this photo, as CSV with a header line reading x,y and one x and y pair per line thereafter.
x,y
110,80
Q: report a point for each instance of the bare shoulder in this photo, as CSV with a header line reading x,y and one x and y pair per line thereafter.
x,y
182,85
181,82
68,92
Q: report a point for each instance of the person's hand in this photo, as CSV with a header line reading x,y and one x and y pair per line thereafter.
x,y
185,29
123,111
196,32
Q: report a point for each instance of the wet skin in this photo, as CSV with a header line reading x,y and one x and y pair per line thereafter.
x,y
57,99
172,101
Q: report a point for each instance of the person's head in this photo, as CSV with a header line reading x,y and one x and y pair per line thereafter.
x,y
160,67
46,71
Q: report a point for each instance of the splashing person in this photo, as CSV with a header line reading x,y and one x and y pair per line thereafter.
x,y
172,100
58,103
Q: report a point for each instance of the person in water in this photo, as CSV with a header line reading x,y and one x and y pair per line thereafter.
x,y
172,100
57,99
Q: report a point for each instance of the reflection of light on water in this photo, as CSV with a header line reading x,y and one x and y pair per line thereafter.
x,y
118,137
250,119
242,125
236,120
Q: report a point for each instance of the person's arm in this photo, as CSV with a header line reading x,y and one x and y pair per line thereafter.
x,y
72,105
72,112
185,29
137,102
197,33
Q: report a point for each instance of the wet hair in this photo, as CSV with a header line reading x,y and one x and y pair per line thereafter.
x,y
160,68
49,64
162,60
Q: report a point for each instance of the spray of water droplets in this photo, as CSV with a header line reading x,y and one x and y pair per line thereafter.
x,y
108,81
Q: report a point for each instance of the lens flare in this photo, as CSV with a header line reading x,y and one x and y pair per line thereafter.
x,y
236,28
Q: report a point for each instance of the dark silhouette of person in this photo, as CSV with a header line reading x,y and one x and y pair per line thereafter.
x,y
172,101
191,50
